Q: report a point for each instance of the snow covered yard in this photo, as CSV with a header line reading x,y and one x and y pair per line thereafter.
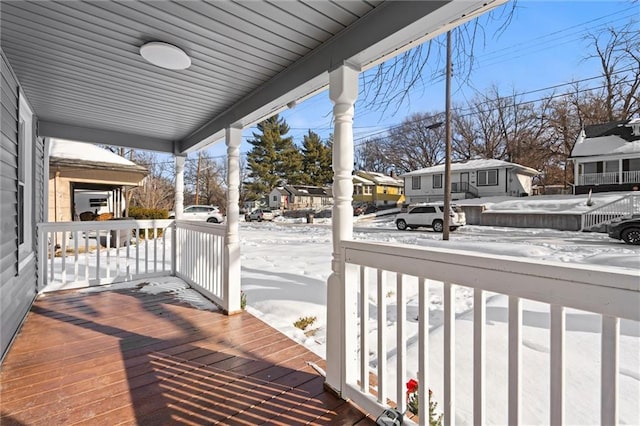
x,y
285,267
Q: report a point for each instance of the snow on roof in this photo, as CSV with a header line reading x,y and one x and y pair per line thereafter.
x,y
472,165
359,179
604,145
380,178
80,151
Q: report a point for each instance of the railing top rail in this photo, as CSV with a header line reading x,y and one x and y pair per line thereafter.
x,y
205,227
613,291
103,225
626,197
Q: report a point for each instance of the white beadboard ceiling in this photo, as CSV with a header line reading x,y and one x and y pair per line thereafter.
x,y
79,66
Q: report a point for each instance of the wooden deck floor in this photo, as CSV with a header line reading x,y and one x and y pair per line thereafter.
x,y
130,357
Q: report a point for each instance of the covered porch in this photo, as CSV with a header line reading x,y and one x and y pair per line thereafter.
x,y
164,361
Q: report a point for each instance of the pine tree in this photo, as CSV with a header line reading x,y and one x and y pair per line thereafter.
x,y
273,160
316,162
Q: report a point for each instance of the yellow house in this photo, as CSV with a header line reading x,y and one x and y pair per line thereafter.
x,y
377,189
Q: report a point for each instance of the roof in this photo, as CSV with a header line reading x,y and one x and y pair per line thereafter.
x,y
608,139
89,155
78,62
380,178
307,190
474,165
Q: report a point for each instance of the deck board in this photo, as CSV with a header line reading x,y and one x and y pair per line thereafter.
x,y
125,356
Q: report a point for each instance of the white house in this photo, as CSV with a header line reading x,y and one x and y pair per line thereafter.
x,y
470,179
279,198
606,157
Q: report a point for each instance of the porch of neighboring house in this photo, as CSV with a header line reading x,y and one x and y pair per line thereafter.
x,y
158,353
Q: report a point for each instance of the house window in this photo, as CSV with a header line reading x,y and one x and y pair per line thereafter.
x,y
488,177
367,190
25,180
415,182
437,181
275,198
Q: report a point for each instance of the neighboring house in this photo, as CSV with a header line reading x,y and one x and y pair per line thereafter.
x,y
84,178
279,198
377,189
473,178
606,157
300,197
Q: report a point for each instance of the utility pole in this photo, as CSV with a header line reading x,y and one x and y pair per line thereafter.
x,y
447,157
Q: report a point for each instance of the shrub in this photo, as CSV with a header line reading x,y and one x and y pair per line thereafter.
x,y
304,322
145,213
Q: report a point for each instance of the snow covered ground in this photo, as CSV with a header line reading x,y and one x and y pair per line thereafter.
x,y
285,267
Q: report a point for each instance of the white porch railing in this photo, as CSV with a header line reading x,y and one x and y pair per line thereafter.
x,y
631,176
624,207
79,254
199,251
379,280
609,178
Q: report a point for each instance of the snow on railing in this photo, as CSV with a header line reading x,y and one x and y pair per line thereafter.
x,y
199,252
623,207
80,254
490,335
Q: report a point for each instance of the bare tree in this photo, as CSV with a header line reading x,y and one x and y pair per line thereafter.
x,y
618,52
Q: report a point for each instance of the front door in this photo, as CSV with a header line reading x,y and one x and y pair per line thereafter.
x,y
464,181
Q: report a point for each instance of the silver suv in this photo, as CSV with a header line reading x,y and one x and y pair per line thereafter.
x,y
209,213
431,216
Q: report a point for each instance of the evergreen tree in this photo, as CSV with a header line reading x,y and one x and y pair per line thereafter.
x,y
274,159
316,160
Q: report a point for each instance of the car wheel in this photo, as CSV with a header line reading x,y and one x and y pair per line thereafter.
x,y
438,225
212,220
453,228
401,224
631,236
259,219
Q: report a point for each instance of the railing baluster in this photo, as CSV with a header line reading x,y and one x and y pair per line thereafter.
x,y
382,336
423,349
52,255
479,359
86,255
155,247
146,250
401,342
127,262
98,251
449,354
364,331
609,370
515,359
557,325
108,250
63,254
75,255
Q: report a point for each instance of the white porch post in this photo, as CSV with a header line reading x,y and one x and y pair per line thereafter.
x,y
343,91
232,242
179,197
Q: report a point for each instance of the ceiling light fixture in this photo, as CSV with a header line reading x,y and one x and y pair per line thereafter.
x,y
165,55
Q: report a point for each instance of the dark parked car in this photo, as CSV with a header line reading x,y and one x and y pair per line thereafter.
x,y
626,230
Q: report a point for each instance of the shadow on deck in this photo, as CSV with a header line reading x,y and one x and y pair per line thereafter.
x,y
146,357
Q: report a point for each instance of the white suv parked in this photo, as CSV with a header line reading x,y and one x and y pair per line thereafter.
x,y
430,215
209,213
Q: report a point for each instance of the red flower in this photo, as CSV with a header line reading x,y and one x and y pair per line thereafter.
x,y
412,386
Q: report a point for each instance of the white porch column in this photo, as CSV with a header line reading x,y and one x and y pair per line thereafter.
x,y
179,196
232,240
343,91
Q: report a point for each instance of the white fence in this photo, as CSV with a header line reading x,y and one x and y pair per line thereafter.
x,y
381,330
621,208
200,257
80,254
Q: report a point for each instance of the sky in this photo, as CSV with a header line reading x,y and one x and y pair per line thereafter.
x,y
542,47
